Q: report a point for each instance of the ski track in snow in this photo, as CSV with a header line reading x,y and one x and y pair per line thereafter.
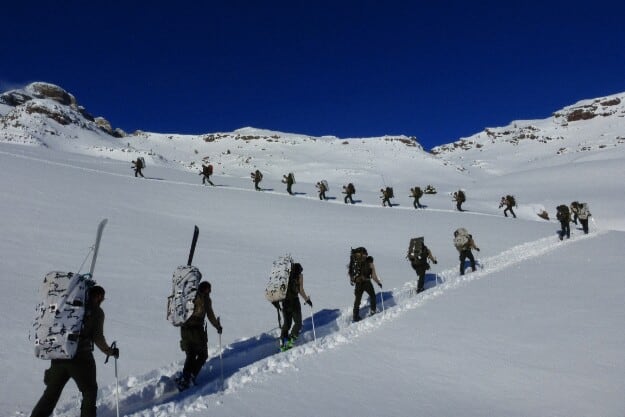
x,y
257,359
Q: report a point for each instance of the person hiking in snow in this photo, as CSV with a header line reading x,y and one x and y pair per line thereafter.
x,y
509,202
138,166
193,336
322,190
257,177
386,197
362,283
459,198
416,193
81,368
207,171
583,214
574,209
289,180
420,264
349,190
564,217
291,307
465,252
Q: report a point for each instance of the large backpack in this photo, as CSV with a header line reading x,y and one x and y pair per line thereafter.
x,y
511,200
389,192
185,282
563,213
415,249
292,177
209,169
359,269
460,196
351,188
583,211
461,239
59,317
279,279
418,192
325,185
140,162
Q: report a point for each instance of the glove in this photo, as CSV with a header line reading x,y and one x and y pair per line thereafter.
x,y
220,329
309,302
114,352
435,261
477,249
380,284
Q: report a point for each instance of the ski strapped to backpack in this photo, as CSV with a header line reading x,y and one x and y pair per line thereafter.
x,y
185,282
59,316
279,279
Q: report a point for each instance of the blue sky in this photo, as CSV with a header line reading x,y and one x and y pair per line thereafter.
x,y
437,70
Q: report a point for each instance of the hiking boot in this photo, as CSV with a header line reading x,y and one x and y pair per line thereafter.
x,y
356,319
372,312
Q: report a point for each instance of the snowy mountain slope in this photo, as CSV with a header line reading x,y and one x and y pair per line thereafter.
x,y
421,351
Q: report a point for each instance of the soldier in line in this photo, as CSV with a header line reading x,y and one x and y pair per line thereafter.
x,y
349,190
322,190
257,177
207,171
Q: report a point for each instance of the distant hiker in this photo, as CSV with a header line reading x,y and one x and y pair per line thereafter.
x,y
459,198
207,171
289,180
193,336
464,242
387,194
429,189
361,271
418,255
257,177
349,190
81,368
416,193
564,217
138,165
292,309
508,201
322,187
583,213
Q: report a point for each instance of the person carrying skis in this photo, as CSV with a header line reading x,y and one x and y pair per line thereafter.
x,y
459,198
138,166
564,217
292,309
81,368
420,265
465,251
386,197
207,171
289,180
362,282
349,190
257,177
416,193
322,190
193,336
509,202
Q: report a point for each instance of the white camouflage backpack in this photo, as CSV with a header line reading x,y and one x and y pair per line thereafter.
x,y
59,316
279,279
583,212
461,238
185,282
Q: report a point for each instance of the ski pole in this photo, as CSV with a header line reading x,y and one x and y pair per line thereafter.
x,y
113,346
221,359
382,299
312,320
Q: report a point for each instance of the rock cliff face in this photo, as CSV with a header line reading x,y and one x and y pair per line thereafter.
x,y
49,101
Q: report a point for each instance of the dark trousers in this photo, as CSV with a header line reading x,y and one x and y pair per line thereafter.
x,y
509,208
348,197
256,186
206,178
464,255
292,313
420,270
565,230
322,195
387,200
584,223
82,370
416,203
459,205
194,343
288,188
361,287
138,172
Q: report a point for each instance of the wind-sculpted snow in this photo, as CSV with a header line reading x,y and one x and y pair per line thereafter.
x,y
256,359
